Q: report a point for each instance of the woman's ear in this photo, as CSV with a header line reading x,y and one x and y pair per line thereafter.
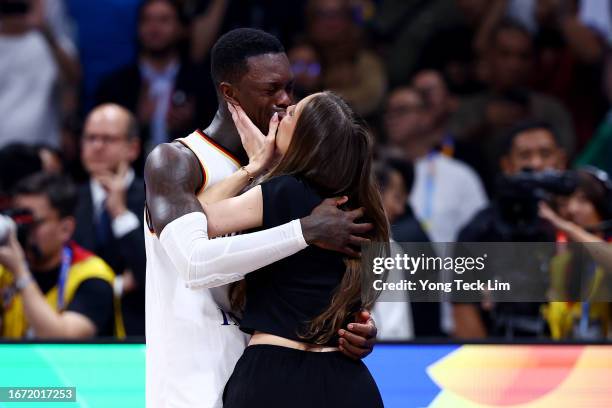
x,y
229,93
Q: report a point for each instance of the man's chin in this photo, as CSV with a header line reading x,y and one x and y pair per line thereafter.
x,y
98,170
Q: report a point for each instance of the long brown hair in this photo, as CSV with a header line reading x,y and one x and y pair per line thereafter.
x,y
333,152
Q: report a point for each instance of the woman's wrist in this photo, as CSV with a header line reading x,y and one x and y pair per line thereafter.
x,y
252,171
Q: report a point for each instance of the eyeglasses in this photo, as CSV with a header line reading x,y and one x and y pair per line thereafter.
x,y
104,139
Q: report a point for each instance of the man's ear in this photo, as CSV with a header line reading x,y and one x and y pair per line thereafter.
x,y
229,93
67,227
505,165
562,159
133,149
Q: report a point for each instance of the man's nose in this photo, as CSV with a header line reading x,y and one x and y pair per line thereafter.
x,y
536,163
284,100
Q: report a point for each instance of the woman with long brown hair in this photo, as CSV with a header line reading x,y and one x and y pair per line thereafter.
x,y
296,307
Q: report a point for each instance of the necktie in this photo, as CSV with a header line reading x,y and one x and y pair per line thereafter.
x,y
103,227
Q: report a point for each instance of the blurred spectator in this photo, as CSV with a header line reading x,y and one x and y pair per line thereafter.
x,y
484,118
598,152
165,92
453,49
355,73
111,205
568,54
432,86
393,191
393,319
63,291
35,61
530,145
403,320
446,192
586,208
306,67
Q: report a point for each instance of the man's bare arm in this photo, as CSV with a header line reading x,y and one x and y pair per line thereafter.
x,y
172,176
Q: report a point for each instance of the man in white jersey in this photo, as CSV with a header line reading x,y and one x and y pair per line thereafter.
x,y
193,341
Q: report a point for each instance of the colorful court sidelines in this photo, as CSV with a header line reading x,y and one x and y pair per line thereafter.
x,y
408,375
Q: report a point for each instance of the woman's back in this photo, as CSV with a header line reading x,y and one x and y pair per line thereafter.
x,y
282,298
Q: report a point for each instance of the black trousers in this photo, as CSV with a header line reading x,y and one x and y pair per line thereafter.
x,y
273,376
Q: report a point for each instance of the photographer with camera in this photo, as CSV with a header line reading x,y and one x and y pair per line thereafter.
x,y
531,155
50,287
581,273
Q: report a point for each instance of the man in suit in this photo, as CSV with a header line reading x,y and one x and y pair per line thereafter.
x,y
161,88
111,204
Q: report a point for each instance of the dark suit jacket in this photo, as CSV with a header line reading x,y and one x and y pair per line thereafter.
x,y
127,252
124,87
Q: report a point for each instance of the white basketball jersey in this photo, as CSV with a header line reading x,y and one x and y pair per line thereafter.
x,y
192,341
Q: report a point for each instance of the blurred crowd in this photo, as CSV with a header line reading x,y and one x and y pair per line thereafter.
x,y
458,93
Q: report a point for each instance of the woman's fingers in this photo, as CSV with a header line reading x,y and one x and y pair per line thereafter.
x,y
232,111
270,139
238,116
273,127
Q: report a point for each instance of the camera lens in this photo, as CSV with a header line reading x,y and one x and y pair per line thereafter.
x,y
6,225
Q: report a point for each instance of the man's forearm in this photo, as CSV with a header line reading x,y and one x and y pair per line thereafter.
x,y
41,317
204,262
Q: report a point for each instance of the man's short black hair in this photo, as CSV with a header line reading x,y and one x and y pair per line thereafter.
x,y
176,6
383,169
524,126
406,169
230,53
508,24
59,190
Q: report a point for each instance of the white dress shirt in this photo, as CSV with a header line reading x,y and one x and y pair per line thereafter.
x,y
124,223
